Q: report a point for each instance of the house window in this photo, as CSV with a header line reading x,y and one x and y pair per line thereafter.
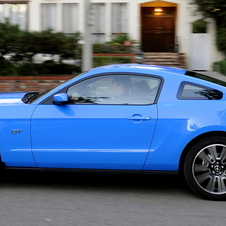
x,y
48,16
18,15
98,22
119,18
70,17
15,14
2,13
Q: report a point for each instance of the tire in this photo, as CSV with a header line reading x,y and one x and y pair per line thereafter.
x,y
205,168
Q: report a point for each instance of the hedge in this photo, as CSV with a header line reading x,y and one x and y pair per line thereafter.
x,y
221,66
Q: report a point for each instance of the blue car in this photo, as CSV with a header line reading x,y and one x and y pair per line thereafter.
x,y
128,117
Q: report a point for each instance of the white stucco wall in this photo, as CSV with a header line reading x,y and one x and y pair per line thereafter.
x,y
34,22
184,19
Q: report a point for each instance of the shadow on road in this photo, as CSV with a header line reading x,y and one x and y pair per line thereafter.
x,y
93,180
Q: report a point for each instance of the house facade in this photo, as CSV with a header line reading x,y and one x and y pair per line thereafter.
x,y
158,26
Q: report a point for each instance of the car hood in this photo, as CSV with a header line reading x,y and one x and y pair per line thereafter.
x,y
11,98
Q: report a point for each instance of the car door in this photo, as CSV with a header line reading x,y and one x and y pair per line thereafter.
x,y
97,129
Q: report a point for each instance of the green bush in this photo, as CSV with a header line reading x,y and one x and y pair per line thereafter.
x,y
111,48
105,60
120,39
29,69
114,46
221,39
199,26
214,9
30,43
26,44
7,68
221,65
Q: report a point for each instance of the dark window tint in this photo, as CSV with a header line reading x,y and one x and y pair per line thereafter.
x,y
190,91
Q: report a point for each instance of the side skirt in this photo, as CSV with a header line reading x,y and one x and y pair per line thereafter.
x,y
97,171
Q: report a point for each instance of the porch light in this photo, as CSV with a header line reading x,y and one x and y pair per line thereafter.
x,y
158,11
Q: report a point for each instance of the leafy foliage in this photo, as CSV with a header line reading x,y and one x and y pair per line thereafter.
x,y
6,67
10,37
199,26
114,46
30,43
105,60
222,66
215,9
111,48
120,39
24,45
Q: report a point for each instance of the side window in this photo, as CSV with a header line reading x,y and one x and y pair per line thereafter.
x,y
115,89
191,91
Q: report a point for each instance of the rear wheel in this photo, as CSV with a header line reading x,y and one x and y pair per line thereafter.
x,y
205,168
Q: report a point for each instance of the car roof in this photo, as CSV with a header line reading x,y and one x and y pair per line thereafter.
x,y
155,70
137,67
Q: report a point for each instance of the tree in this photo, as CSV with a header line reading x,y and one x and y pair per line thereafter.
x,y
215,9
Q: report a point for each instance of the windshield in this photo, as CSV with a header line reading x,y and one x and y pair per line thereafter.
x,y
205,77
37,96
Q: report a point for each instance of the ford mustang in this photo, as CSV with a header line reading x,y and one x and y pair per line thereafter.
x,y
123,118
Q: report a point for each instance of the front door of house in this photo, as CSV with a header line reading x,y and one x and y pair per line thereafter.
x,y
158,29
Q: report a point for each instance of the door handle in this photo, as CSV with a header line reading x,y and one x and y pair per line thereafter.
x,y
138,118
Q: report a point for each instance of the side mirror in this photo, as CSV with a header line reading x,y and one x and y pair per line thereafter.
x,y
60,98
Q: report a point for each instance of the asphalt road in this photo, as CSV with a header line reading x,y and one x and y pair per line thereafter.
x,y
71,199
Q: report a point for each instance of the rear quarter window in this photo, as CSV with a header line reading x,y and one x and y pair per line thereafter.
x,y
191,91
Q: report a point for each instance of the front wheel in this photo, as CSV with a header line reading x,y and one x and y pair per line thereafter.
x,y
205,168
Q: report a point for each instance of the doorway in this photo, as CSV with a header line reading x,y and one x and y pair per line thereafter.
x,y
158,29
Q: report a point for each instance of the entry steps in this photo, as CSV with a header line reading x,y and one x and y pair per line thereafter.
x,y
165,59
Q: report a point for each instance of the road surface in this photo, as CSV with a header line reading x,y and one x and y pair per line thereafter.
x,y
30,198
